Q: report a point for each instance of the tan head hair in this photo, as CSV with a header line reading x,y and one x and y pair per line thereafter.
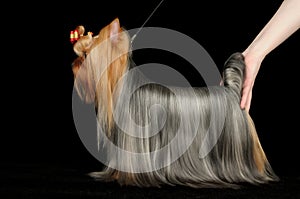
x,y
105,63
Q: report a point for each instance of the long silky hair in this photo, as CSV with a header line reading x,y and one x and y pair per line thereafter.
x,y
128,115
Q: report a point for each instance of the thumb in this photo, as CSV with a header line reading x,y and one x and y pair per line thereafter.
x,y
245,95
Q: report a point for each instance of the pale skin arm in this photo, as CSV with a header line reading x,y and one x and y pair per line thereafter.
x,y
284,23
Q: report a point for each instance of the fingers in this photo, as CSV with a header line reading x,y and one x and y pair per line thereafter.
x,y
248,102
252,66
245,95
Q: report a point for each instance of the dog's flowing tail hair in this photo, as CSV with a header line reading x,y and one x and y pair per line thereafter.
x,y
122,104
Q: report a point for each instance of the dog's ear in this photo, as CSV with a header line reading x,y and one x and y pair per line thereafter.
x,y
114,30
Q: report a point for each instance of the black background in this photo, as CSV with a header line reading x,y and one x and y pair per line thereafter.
x,y
38,127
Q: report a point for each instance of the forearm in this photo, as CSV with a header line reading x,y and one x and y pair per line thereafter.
x,y
283,24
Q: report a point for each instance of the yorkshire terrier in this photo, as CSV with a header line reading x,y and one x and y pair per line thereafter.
x,y
128,115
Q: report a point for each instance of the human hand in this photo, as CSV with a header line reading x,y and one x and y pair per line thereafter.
x,y
252,67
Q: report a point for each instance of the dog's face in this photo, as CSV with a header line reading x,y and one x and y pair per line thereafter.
x,y
102,60
86,43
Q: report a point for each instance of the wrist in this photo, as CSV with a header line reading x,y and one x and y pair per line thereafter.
x,y
254,54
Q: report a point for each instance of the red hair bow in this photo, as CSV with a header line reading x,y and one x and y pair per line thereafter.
x,y
74,36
